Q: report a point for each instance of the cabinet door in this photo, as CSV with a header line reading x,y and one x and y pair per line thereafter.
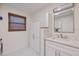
x,y
64,53
50,51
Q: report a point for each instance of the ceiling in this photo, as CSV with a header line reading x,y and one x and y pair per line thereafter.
x,y
29,8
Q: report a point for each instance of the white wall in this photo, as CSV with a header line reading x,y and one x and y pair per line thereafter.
x,y
12,41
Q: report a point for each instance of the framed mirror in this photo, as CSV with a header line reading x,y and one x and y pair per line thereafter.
x,y
64,21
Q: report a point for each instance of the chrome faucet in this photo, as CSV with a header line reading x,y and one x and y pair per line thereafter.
x,y
61,36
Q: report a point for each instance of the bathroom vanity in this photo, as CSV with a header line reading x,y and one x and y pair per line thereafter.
x,y
61,47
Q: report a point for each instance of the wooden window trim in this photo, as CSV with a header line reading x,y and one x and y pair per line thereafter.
x,y
9,22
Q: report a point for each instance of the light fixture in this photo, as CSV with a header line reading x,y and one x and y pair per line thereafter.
x,y
63,7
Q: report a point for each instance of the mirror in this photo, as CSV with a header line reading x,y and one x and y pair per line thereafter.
x,y
64,21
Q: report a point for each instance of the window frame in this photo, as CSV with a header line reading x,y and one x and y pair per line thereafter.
x,y
9,22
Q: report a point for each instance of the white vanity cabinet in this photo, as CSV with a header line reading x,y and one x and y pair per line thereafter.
x,y
58,49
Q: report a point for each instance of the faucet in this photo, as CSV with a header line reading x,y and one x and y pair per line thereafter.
x,y
61,36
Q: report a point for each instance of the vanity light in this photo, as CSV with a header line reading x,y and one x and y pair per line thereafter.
x,y
64,11
63,7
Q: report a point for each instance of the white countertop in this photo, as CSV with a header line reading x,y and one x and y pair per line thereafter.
x,y
69,42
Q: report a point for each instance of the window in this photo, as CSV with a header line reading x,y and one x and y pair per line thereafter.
x,y
16,22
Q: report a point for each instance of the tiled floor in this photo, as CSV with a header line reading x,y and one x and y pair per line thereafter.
x,y
23,52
